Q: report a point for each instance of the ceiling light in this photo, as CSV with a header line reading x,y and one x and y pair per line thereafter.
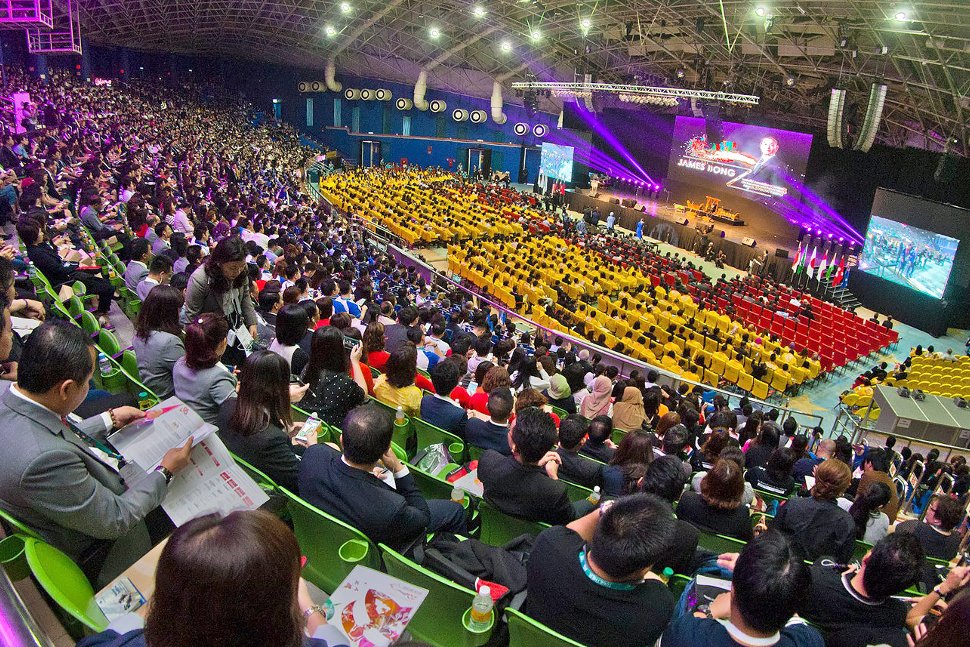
x,y
680,72
434,33
761,11
345,7
478,11
330,31
585,24
505,46
790,81
901,16
535,35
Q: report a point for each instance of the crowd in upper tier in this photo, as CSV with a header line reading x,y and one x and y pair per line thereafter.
x,y
253,299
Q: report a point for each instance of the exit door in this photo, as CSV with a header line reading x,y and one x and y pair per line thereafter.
x,y
370,153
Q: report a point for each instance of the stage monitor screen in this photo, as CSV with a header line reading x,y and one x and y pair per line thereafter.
x,y
917,258
754,160
556,162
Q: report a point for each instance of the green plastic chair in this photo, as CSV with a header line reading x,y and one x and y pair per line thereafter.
x,y
439,619
474,453
576,492
331,546
526,632
677,584
719,544
109,344
89,324
129,362
499,528
772,501
65,583
74,306
562,413
403,434
860,550
432,486
17,525
428,435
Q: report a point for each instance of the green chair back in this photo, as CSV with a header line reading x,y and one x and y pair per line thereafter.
x,y
432,486
474,453
89,323
719,543
129,362
331,546
17,525
677,584
499,528
74,306
79,288
860,550
439,620
65,583
108,343
576,492
526,632
562,413
428,435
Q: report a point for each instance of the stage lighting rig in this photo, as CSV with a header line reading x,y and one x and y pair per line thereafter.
x,y
655,91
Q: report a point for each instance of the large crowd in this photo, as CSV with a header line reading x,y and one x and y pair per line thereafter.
x,y
253,299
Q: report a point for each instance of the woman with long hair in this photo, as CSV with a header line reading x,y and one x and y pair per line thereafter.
x,y
718,507
336,381
158,339
530,375
496,377
257,424
232,580
291,326
871,523
776,476
221,285
629,464
374,354
199,378
761,448
396,386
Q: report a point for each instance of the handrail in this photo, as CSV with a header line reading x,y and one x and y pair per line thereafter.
x,y
17,626
623,362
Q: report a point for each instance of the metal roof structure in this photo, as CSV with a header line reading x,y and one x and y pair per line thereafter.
x,y
791,53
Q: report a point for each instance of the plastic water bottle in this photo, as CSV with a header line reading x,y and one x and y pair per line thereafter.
x,y
105,365
481,612
399,416
144,401
594,496
666,575
458,495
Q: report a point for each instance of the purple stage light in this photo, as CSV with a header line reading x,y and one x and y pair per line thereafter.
x,y
841,239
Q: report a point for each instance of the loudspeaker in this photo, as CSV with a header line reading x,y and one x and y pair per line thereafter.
x,y
641,207
303,86
781,253
521,129
383,94
682,220
540,130
404,103
836,110
366,94
437,105
351,94
629,202
720,233
750,242
614,201
867,134
477,116
459,114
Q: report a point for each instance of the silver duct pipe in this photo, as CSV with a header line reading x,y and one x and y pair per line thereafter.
x,y
420,87
498,116
330,77
353,35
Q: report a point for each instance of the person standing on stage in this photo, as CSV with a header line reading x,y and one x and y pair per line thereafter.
x,y
640,229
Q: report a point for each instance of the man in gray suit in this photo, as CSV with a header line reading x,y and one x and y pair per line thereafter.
x,y
53,479
139,251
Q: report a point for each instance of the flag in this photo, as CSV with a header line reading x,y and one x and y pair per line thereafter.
x,y
839,273
811,263
821,266
798,259
831,271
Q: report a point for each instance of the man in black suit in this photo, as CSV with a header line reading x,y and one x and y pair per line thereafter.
x,y
598,444
575,467
356,486
397,333
526,484
437,408
493,433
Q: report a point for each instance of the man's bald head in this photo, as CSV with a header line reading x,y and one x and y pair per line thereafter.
x,y
826,449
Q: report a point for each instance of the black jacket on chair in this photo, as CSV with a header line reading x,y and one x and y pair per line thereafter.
x,y
45,257
523,491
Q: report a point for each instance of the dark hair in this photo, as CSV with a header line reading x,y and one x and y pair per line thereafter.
x,y
876,496
54,353
780,464
291,324
600,429
534,434
367,432
407,315
202,339
770,582
893,565
675,439
715,444
445,377
634,447
951,629
402,366
229,250
160,264
326,354
949,512
268,298
723,485
227,581
769,435
664,477
264,394
160,311
373,338
879,458
29,230
572,429
632,535
137,248
500,403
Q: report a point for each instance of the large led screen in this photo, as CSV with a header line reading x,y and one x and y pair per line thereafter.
x,y
556,162
917,258
754,160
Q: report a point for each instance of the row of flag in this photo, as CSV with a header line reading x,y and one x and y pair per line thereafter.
x,y
832,270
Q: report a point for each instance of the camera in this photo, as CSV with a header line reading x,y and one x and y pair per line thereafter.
x,y
350,343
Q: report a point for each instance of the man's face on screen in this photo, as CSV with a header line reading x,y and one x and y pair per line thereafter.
x,y
769,146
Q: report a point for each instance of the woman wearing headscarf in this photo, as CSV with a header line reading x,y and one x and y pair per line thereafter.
x,y
597,403
559,393
628,413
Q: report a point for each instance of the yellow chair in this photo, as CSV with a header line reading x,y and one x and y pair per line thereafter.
x,y
759,390
745,381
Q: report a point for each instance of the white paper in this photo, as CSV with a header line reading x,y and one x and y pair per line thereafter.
x,y
809,482
373,608
146,441
470,483
211,482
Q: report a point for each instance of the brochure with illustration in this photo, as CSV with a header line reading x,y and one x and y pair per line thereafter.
x,y
166,425
372,608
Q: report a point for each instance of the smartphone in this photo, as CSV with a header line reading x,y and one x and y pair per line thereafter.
x,y
350,343
310,428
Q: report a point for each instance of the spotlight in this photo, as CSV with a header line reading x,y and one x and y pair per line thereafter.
x,y
830,236
841,239
585,24
901,16
505,46
681,72
479,11
761,11
330,31
535,35
346,8
790,81
434,33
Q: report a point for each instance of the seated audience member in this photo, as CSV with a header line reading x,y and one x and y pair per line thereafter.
x,y
875,469
592,580
665,479
806,465
493,433
396,334
559,394
50,477
438,408
718,507
336,382
139,251
382,502
291,326
495,377
951,629
675,442
628,412
775,477
597,403
816,524
374,354
232,580
533,398
733,454
598,444
159,273
871,523
396,385
158,339
768,586
709,451
760,450
257,425
937,533
576,468
199,378
628,465
526,484
856,608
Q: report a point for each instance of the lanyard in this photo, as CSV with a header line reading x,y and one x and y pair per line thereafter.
x,y
596,579
92,442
